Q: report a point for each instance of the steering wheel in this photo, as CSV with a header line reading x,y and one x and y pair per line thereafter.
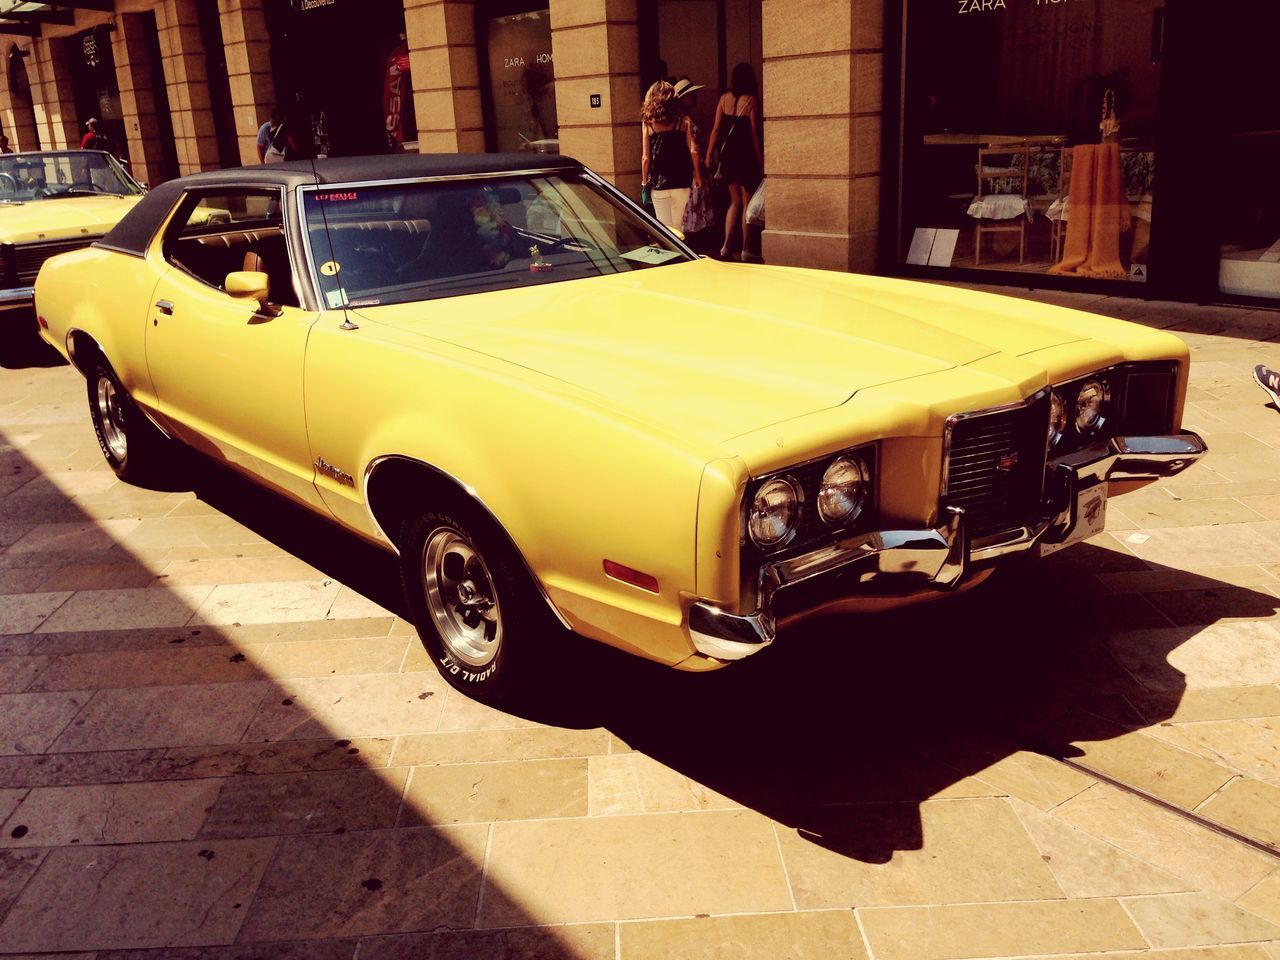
x,y
8,184
82,185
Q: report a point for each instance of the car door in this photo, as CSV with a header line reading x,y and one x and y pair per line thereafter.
x,y
228,373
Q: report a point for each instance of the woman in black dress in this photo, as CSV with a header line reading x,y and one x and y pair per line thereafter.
x,y
737,134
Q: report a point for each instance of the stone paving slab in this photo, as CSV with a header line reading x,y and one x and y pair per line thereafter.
x,y
220,739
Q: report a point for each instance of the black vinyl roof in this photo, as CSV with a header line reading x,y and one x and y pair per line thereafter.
x,y
134,232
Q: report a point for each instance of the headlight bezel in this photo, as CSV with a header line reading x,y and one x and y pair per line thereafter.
x,y
811,529
797,503
1139,397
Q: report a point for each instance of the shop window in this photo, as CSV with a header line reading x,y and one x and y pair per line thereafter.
x,y
1030,135
521,81
1241,186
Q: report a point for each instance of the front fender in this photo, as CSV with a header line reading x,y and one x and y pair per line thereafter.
x,y
570,484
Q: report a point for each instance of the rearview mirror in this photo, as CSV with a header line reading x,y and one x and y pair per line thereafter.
x,y
247,285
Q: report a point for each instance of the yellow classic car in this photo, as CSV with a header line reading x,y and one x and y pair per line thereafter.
x,y
558,416
52,202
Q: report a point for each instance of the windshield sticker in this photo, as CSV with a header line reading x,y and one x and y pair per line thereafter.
x,y
365,302
331,269
334,298
345,196
651,254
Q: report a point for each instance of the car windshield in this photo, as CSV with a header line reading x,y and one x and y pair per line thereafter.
x,y
400,243
27,177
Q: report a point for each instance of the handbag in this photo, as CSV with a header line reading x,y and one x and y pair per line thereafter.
x,y
718,173
698,214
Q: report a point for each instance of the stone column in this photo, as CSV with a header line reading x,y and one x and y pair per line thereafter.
x,y
137,99
446,78
596,48
253,88
18,128
182,53
55,108
823,79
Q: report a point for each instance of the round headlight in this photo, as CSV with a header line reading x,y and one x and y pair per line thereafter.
x,y
843,490
773,512
1057,418
1089,401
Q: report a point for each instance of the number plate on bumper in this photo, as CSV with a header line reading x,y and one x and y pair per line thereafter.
x,y
1090,517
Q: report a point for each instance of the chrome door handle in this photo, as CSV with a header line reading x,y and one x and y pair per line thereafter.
x,y
165,307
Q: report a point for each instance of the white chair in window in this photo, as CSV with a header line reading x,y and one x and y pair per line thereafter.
x,y
1000,205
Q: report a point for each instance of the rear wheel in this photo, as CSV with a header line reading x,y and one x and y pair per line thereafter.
x,y
132,445
477,612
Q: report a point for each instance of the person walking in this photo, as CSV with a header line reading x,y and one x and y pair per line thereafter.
x,y
267,131
4,144
668,161
699,215
281,145
93,139
740,165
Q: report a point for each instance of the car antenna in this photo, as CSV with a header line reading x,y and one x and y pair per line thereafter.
x,y
347,322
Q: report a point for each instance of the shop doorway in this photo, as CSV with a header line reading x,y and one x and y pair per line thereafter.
x,y
702,40
24,135
94,87
342,75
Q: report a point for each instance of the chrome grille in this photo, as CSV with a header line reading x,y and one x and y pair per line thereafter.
x,y
28,258
996,464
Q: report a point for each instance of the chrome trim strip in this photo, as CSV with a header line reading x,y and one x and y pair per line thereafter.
x,y
475,498
17,296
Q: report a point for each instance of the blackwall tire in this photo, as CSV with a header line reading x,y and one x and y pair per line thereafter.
x,y
478,615
134,449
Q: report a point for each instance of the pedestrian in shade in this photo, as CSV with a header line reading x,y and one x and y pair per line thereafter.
x,y
740,162
668,161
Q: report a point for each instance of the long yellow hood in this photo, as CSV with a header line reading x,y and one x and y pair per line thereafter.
x,y
719,350
62,219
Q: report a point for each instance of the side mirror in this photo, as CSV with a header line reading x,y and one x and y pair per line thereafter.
x,y
245,285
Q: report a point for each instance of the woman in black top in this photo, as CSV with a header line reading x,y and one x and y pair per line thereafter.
x,y
669,161
737,134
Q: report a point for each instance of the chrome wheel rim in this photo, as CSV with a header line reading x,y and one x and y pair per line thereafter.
x,y
111,418
461,599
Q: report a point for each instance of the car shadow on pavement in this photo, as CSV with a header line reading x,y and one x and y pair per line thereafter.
x,y
848,722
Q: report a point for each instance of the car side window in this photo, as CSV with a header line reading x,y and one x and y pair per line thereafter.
x,y
218,233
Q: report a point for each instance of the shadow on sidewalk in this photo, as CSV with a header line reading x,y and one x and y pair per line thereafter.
x,y
888,709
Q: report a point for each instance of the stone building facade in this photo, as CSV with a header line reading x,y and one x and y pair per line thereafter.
x,y
821,65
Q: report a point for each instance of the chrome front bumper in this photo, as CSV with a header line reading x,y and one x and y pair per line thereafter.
x,y
906,560
15,298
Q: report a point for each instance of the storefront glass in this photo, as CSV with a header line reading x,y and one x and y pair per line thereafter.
x,y
1241,180
1029,135
522,83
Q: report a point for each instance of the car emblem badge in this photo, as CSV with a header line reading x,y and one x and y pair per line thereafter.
x,y
1006,463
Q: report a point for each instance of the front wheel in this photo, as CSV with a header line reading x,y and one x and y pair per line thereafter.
x,y
133,447
476,610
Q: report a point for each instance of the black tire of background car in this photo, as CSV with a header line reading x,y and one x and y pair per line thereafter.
x,y
527,626
145,458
